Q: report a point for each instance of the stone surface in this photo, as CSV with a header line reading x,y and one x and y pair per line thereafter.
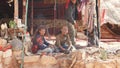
x,y
3,42
118,63
79,64
38,65
64,62
76,54
1,54
48,60
7,60
106,64
82,58
28,59
1,65
7,53
89,65
17,53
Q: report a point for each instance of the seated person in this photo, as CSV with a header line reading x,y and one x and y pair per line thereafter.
x,y
63,41
39,42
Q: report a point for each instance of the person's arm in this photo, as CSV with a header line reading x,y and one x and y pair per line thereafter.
x,y
69,14
46,42
69,41
58,43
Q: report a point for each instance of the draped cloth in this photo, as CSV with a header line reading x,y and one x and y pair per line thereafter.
x,y
81,4
67,4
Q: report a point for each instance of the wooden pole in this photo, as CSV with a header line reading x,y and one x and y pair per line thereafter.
x,y
25,30
24,11
98,16
55,5
32,11
16,14
99,10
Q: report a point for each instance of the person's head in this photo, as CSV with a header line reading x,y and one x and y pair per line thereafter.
x,y
64,30
42,30
74,1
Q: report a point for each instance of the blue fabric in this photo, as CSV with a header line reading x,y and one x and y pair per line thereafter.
x,y
64,46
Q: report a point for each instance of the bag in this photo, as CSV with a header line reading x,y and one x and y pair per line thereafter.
x,y
16,44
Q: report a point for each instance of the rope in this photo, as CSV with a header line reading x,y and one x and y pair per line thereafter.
x,y
22,63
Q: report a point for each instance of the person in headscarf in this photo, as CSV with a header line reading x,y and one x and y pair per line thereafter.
x,y
40,44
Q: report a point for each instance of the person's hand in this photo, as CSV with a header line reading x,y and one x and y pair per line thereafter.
x,y
63,49
75,24
74,21
51,46
66,52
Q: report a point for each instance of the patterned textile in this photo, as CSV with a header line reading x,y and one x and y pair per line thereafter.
x,y
39,43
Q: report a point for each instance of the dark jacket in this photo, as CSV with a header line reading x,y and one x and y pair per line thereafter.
x,y
70,13
40,42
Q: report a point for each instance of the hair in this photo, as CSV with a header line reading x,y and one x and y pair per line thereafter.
x,y
59,32
38,29
64,26
41,27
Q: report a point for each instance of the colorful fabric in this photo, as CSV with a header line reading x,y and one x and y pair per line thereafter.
x,y
34,49
67,3
39,43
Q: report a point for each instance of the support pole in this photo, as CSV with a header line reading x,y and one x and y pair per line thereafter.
x,y
98,19
26,18
32,11
24,11
55,5
16,14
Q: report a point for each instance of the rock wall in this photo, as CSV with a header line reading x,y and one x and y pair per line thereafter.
x,y
7,60
88,57
83,58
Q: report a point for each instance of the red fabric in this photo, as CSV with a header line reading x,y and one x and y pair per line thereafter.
x,y
80,16
67,4
6,48
34,49
40,40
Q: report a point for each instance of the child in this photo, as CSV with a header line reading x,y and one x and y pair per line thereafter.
x,y
63,41
39,42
